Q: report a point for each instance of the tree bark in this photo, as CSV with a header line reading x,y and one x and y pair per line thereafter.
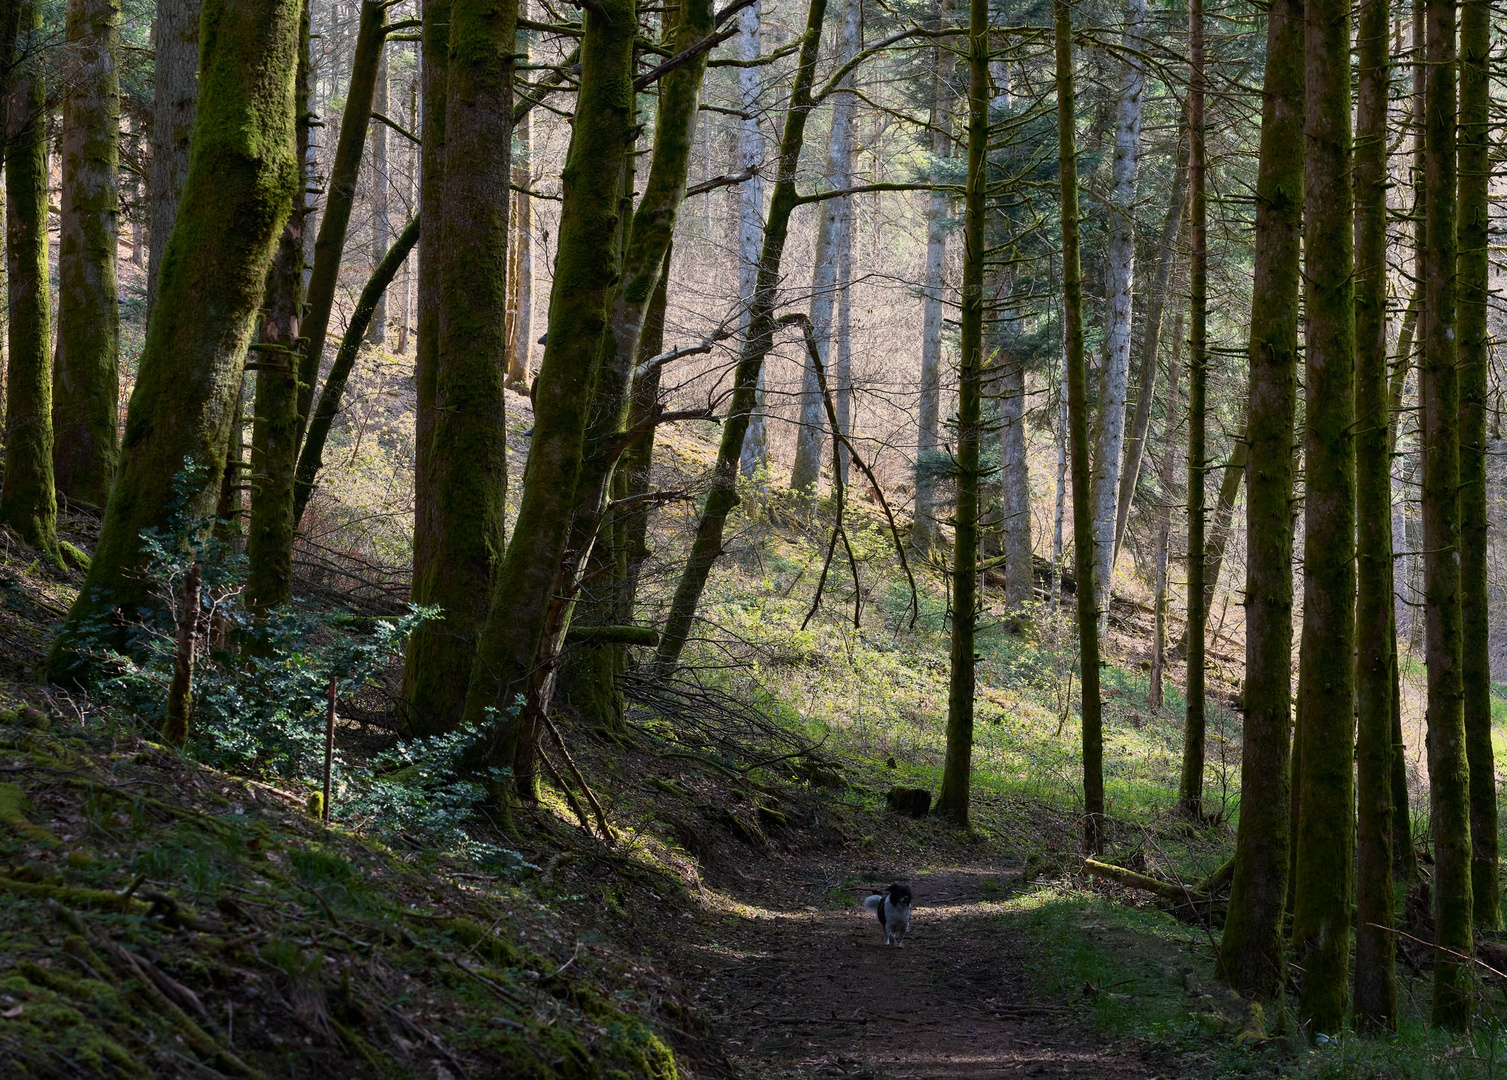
x,y
175,85
1077,409
468,452
380,195
957,770
723,496
1439,391
1375,971
243,169
754,454
1151,338
1164,516
86,377
1473,297
28,500
1190,783
274,432
810,434
1119,275
925,533
1325,831
529,575
1251,950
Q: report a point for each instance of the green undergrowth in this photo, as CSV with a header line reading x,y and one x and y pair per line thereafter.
x,y
159,918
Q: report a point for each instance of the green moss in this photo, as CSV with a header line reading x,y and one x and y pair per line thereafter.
x,y
52,1026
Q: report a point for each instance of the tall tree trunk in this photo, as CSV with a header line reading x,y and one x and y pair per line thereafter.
x,y
638,459
243,168
1151,337
329,245
806,473
381,193
1120,273
311,455
1472,297
925,533
1164,516
758,340
1326,829
529,575
1439,391
521,273
1375,971
1015,475
434,67
754,454
175,83
1190,784
957,770
28,500
1077,408
591,676
468,452
86,377
843,365
274,432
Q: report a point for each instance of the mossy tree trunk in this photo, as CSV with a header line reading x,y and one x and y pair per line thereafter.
x,y
758,340
590,676
334,222
86,377
468,452
1439,394
28,500
952,800
175,86
243,173
1326,828
1375,971
529,575
1077,411
1472,297
1250,952
1191,782
275,358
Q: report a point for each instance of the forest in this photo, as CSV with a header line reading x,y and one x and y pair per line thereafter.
x,y
524,524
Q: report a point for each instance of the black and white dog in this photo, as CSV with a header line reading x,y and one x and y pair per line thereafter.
x,y
893,909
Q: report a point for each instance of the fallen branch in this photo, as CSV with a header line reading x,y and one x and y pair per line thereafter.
x,y
1132,880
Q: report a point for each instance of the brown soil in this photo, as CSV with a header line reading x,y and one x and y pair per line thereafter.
x,y
802,984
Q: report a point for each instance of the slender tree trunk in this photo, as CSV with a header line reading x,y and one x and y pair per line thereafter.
x,y
1059,502
86,377
1190,784
758,340
311,456
529,575
380,194
1439,391
28,500
957,770
468,452
1120,273
329,245
925,533
521,279
274,433
1472,298
1326,829
176,88
754,454
244,169
1164,515
843,391
1375,972
1015,478
1077,381
806,473
1151,338
638,459
434,68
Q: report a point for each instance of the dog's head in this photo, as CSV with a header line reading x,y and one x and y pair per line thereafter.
x,y
899,895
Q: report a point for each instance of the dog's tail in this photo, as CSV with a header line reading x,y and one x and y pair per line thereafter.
x,y
873,902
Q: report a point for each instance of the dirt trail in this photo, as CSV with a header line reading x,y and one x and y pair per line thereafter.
x,y
804,988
